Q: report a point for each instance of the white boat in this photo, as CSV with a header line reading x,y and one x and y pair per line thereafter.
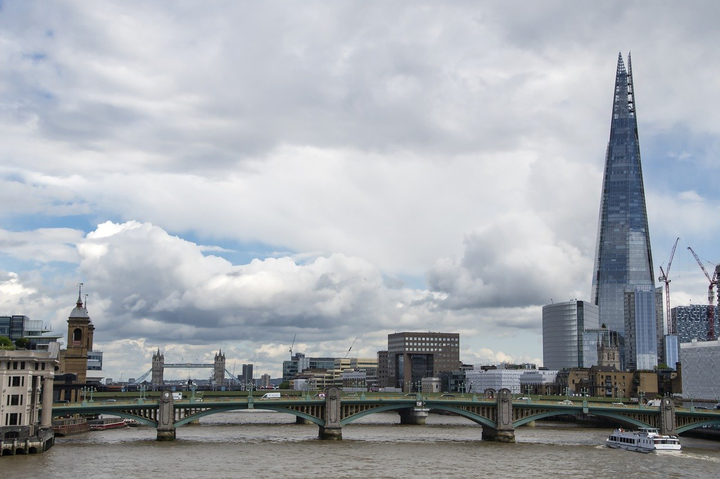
x,y
645,439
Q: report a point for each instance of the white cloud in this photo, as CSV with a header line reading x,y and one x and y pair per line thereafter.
x,y
357,146
42,245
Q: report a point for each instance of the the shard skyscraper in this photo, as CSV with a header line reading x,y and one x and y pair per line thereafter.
x,y
623,261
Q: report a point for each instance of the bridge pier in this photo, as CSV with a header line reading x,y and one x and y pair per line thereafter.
x,y
166,417
332,430
667,417
414,416
504,432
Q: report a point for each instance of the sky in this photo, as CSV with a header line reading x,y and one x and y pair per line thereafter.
x,y
232,175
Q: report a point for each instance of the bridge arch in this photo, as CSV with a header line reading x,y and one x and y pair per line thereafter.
x,y
609,415
696,425
476,418
140,419
374,410
237,407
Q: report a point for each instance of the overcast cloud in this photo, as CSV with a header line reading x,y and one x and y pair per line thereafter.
x,y
230,174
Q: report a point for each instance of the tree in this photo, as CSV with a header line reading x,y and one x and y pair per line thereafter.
x,y
284,385
6,343
22,343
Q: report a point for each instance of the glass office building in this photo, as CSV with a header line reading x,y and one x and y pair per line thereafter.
x,y
691,322
623,260
563,325
642,346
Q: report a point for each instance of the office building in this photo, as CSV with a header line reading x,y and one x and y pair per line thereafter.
x,y
382,358
299,363
643,332
413,356
623,258
700,370
20,326
691,322
563,325
479,380
247,374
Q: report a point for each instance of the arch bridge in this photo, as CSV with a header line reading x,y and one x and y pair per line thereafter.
x,y
497,413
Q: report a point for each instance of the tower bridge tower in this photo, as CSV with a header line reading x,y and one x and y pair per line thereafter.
x,y
219,369
158,367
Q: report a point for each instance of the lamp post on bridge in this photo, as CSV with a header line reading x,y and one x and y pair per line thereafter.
x,y
84,395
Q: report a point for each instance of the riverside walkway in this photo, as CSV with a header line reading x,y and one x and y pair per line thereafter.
x,y
497,412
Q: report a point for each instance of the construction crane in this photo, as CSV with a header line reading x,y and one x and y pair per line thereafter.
x,y
665,279
348,351
292,346
711,295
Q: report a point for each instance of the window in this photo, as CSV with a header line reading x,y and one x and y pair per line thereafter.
x,y
12,419
15,381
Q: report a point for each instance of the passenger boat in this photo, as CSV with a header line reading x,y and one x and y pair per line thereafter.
x,y
645,439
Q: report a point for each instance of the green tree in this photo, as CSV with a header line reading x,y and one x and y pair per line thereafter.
x,y
284,385
22,343
6,343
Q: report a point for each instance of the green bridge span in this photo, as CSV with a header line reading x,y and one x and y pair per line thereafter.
x,y
499,415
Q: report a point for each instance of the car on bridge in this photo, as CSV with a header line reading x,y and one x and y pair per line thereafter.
x,y
566,402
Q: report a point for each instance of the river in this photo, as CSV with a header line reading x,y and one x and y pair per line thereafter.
x,y
265,444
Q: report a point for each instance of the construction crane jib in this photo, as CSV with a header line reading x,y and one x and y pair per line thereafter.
x,y
664,277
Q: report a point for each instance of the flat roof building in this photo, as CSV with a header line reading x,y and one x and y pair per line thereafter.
x,y
413,356
700,370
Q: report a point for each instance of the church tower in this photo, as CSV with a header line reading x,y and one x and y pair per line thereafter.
x,y
79,340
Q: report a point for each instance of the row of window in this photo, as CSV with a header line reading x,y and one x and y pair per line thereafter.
x,y
21,365
16,381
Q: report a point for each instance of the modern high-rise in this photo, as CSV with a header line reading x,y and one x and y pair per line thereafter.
x,y
562,326
691,322
623,258
413,356
643,331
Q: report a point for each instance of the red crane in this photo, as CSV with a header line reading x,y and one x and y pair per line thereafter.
x,y
711,295
664,278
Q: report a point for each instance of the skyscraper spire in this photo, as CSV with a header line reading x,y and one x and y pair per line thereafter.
x,y
623,259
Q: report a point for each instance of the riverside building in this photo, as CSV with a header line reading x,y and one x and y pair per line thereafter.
x,y
26,383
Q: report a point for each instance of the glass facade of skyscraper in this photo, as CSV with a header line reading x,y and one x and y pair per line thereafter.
x,y
641,339
563,325
623,260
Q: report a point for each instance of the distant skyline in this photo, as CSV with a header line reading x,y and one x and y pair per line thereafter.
x,y
228,175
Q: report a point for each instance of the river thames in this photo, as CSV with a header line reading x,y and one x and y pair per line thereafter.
x,y
266,444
